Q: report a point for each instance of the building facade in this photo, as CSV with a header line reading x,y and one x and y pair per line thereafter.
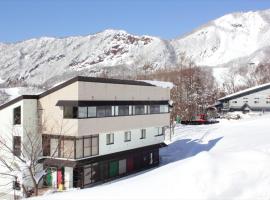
x,y
253,99
94,129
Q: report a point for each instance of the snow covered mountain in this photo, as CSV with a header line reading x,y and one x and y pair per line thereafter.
x,y
229,38
232,40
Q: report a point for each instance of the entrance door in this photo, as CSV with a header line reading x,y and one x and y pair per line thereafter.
x,y
113,169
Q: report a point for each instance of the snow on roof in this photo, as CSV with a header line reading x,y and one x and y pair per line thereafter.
x,y
243,92
162,84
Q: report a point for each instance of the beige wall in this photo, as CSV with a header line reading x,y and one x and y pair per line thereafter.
x,y
111,124
102,91
52,115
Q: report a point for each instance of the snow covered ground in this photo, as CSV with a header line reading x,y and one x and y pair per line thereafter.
x,y
228,160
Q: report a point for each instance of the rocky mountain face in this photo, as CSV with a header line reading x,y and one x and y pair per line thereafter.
x,y
232,40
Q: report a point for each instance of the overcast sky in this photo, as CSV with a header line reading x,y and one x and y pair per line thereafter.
x,y
25,19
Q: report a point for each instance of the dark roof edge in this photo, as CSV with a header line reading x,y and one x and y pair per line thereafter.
x,y
17,100
73,80
244,93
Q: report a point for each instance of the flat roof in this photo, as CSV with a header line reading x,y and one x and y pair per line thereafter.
x,y
73,80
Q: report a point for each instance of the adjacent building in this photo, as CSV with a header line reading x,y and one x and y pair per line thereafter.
x,y
252,99
92,129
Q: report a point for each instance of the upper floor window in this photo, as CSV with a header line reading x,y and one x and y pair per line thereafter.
x,y
139,109
234,101
143,133
164,108
17,145
70,112
154,109
82,112
256,102
104,111
109,138
127,136
92,112
17,115
123,110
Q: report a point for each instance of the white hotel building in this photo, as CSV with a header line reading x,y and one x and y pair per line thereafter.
x,y
92,129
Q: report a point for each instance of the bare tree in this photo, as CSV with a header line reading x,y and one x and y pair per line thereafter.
x,y
27,160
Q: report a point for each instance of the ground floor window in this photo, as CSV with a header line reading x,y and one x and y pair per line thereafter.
x,y
105,170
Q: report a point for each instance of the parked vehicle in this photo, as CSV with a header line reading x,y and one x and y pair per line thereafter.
x,y
198,120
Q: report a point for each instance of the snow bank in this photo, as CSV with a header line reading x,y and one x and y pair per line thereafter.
x,y
229,160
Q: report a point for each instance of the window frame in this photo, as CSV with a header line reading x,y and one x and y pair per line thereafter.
x,y
17,111
109,138
143,133
127,136
17,146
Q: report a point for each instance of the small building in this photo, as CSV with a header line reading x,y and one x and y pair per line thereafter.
x,y
252,99
92,129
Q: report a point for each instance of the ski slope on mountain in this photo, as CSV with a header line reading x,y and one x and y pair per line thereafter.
x,y
229,160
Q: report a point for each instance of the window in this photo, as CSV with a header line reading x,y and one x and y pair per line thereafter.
x,y
46,140
92,111
17,145
87,147
234,101
154,109
82,112
139,109
123,110
54,147
127,136
267,102
70,112
17,115
67,148
164,108
94,145
110,138
256,102
104,111
79,148
160,131
143,134
245,101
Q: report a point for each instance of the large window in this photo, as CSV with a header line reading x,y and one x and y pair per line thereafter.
x,y
92,112
109,138
82,112
154,109
54,147
164,108
65,147
17,145
139,109
104,111
17,115
123,110
79,148
70,112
